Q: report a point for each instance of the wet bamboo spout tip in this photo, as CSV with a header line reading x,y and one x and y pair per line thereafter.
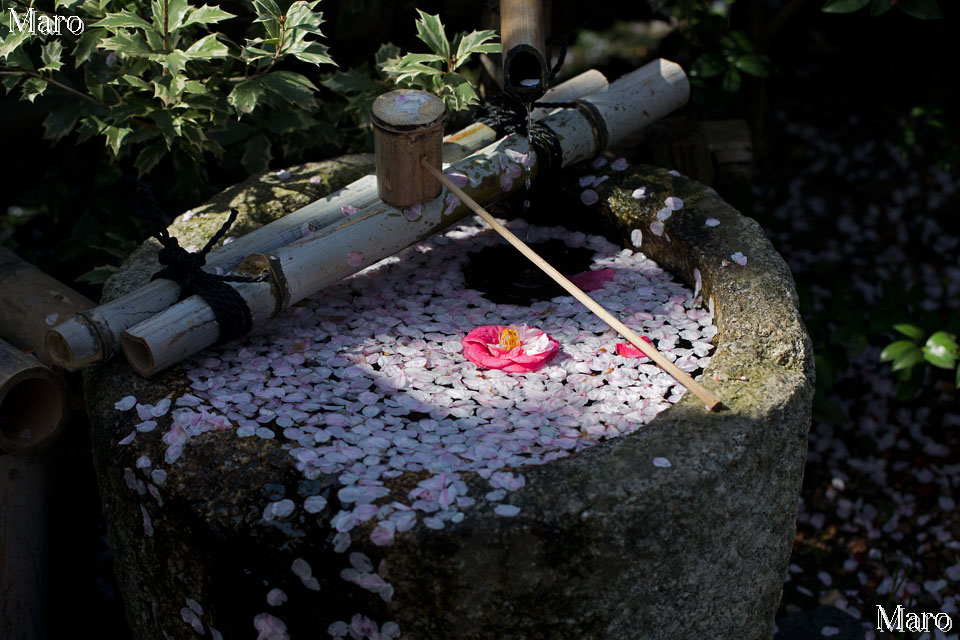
x,y
525,68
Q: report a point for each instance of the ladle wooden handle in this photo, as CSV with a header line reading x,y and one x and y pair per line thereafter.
x,y
710,400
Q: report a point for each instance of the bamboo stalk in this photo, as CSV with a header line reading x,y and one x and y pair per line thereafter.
x,y
30,302
93,336
381,230
680,376
525,67
33,402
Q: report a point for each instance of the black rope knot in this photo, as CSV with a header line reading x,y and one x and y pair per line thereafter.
x,y
507,116
186,269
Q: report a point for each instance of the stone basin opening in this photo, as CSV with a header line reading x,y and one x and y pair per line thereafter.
x,y
682,527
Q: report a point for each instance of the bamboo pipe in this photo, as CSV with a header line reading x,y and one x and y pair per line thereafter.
x,y
525,67
93,336
33,402
648,349
31,301
380,230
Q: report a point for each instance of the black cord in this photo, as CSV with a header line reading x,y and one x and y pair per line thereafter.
x,y
185,268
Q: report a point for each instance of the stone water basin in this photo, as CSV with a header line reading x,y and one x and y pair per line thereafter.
x,y
345,472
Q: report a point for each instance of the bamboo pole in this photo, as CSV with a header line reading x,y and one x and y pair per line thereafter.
x,y
525,67
31,301
93,336
33,402
648,349
380,230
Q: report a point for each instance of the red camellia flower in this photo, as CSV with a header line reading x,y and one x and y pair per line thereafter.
x,y
514,349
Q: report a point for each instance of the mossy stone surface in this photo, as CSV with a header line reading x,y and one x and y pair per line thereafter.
x,y
606,544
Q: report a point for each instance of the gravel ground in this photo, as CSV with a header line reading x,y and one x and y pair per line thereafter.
x,y
872,239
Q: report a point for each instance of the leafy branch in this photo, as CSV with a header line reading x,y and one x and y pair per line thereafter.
x,y
940,350
437,71
163,81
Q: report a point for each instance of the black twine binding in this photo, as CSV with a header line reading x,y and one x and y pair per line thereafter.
x,y
185,268
506,116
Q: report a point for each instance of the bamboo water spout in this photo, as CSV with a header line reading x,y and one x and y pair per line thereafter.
x,y
93,336
525,67
379,230
33,402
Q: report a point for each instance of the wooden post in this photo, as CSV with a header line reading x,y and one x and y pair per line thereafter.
x,y
93,336
24,542
380,230
407,126
33,402
525,67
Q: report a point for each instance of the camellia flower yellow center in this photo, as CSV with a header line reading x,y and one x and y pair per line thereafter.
x,y
509,339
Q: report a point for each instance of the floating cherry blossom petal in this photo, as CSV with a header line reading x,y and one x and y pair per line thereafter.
x,y
619,164
512,349
457,178
147,522
51,319
636,237
656,228
383,533
125,404
355,258
673,203
592,280
711,222
739,258
587,181
452,202
315,180
639,194
314,504
283,174
589,197
276,597
506,510
663,463
301,568
598,162
697,282
348,210
270,627
664,214
414,212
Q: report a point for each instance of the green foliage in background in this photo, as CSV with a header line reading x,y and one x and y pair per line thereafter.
x,y
159,80
440,72
920,9
725,54
940,349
